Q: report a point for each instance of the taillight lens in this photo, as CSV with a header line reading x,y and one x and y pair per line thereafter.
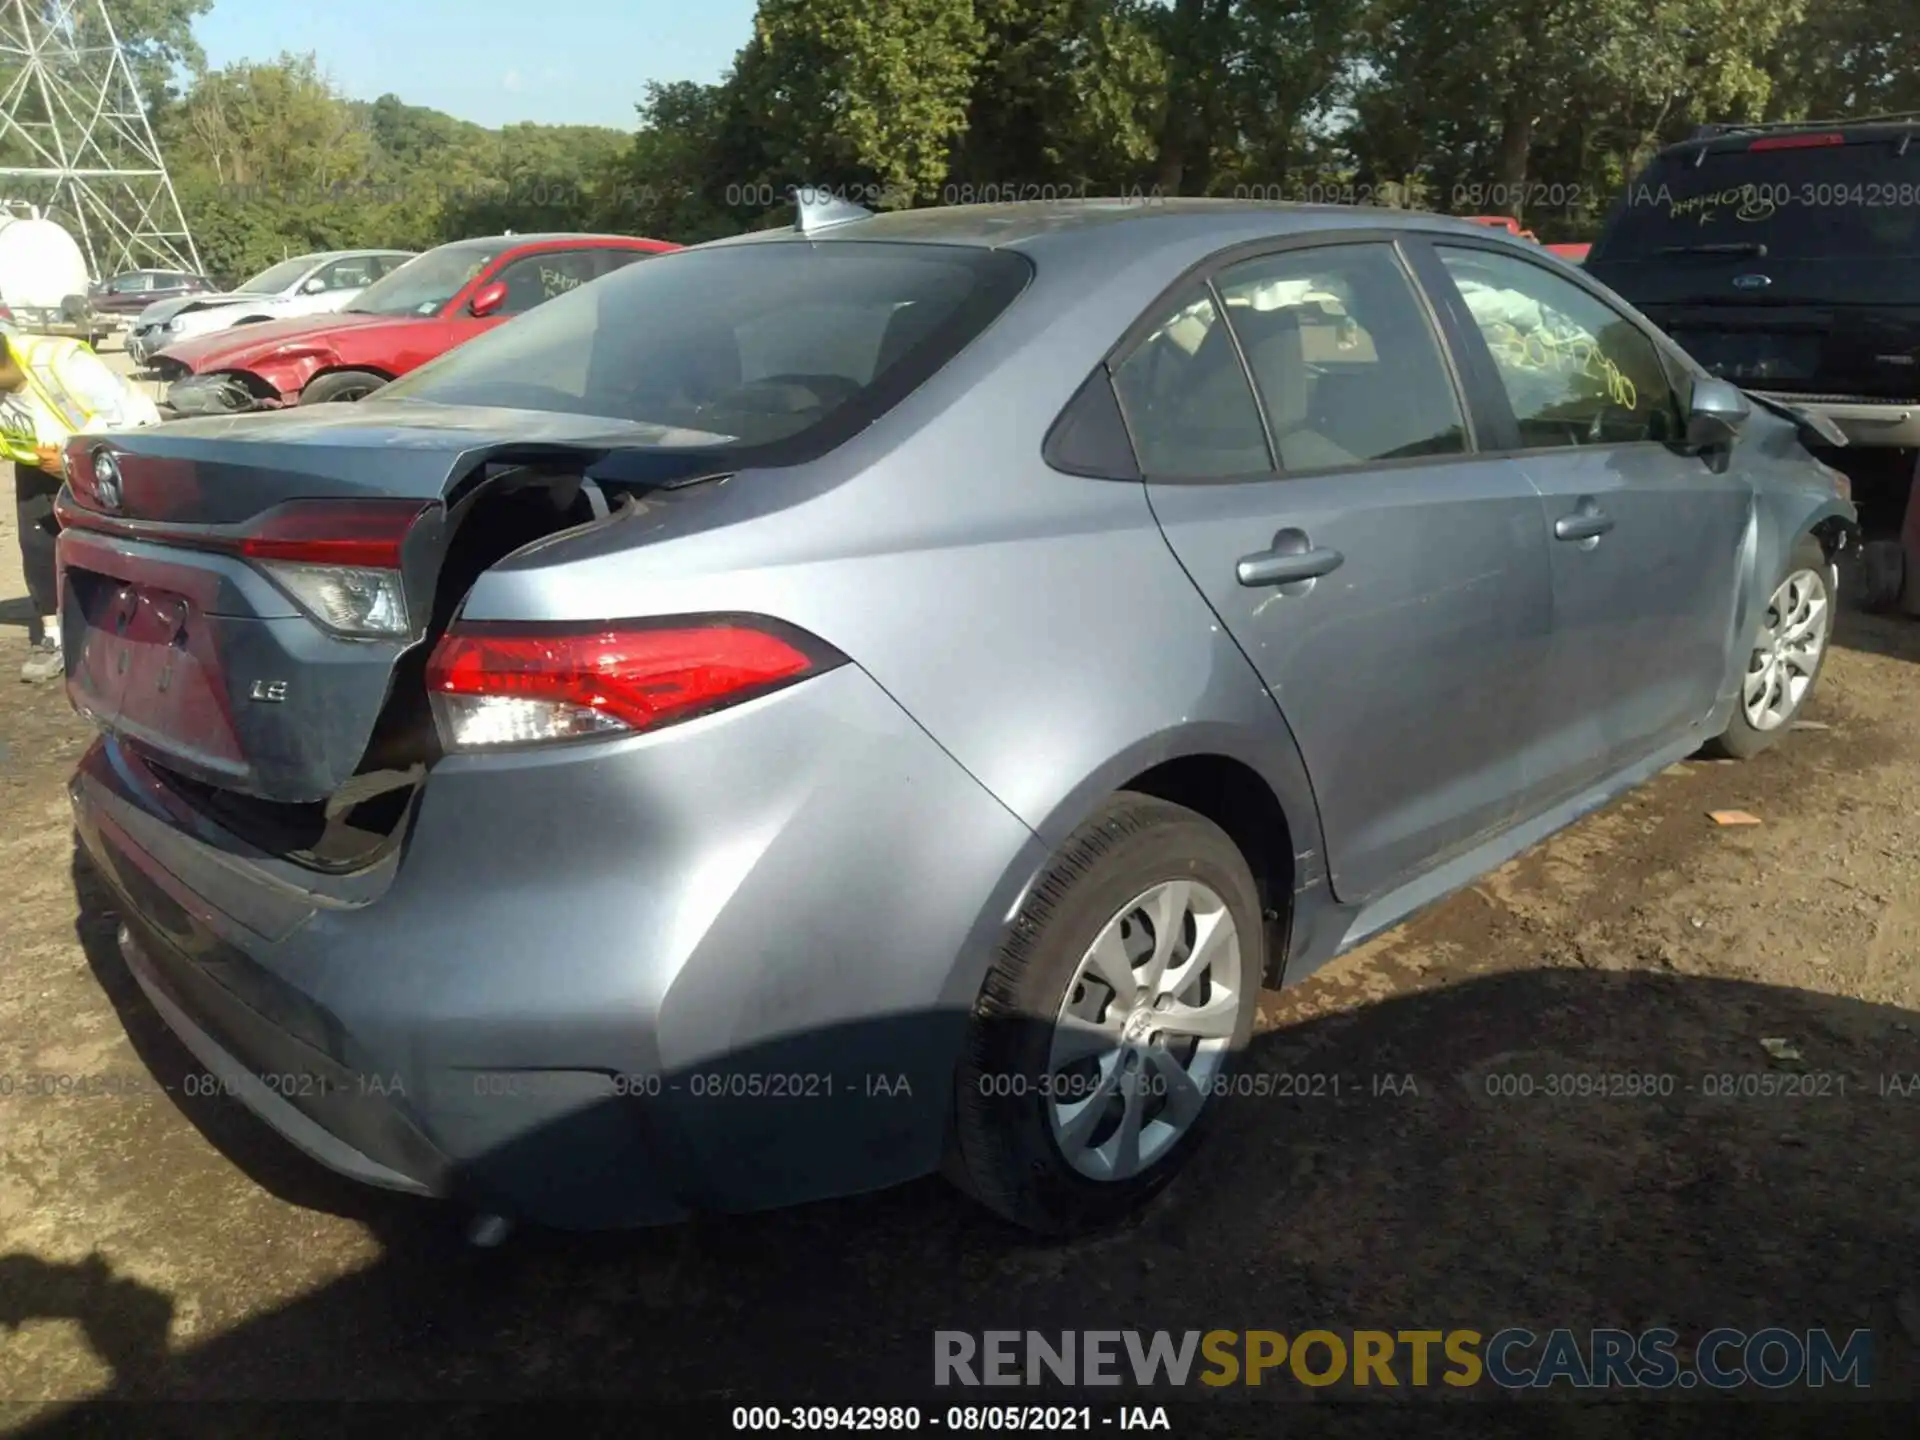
x,y
1799,142
340,561
494,686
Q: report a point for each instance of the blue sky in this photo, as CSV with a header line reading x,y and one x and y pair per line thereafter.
x,y
579,62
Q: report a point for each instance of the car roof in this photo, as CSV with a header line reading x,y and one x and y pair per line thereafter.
x,y
321,257
544,238
1148,223
1721,139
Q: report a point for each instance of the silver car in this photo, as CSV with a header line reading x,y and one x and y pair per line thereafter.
x,y
883,696
317,284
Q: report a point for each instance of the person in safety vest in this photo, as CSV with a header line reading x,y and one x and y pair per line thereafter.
x,y
51,389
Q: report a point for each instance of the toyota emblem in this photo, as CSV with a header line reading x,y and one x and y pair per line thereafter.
x,y
106,479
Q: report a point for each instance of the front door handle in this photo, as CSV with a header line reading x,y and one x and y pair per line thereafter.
x,y
1284,567
1584,525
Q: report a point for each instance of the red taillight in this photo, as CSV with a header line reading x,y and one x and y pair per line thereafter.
x,y
366,533
1796,142
496,685
339,560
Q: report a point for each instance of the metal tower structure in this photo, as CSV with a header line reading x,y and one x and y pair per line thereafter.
x,y
75,141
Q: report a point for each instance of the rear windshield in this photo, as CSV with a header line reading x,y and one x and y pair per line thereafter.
x,y
1828,201
755,344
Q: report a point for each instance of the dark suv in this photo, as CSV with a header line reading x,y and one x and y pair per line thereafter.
x,y
1786,258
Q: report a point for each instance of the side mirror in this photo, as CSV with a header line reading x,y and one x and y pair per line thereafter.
x,y
1715,412
314,286
487,300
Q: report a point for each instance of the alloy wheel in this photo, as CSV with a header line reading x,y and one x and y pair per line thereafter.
x,y
1786,654
1144,1031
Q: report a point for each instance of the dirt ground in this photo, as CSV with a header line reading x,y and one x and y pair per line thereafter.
x,y
157,1244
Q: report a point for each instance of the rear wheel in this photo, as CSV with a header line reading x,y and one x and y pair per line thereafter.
x,y
1115,1006
1789,649
341,385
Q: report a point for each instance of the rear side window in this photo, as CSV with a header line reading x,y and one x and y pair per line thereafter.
x,y
1186,400
738,346
1328,333
1859,200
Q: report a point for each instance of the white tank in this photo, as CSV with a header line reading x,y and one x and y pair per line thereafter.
x,y
40,265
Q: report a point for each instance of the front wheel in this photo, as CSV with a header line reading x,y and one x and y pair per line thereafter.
x,y
1789,649
340,386
1118,1000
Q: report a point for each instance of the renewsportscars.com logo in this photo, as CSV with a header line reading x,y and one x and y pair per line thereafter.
x,y
1512,1359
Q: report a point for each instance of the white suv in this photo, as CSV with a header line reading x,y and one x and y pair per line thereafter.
x,y
305,285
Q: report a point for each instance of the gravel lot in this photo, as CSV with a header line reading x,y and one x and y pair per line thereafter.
x,y
154,1243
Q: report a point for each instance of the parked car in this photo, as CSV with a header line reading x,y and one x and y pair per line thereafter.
x,y
305,285
1573,252
843,702
1782,257
132,291
422,310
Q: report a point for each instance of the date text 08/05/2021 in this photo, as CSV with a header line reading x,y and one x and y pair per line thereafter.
x,y
955,1419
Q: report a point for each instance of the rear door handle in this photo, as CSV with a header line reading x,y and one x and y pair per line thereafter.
x,y
1282,567
1586,525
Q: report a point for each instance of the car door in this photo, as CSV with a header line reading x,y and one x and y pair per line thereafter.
x,y
131,292
1646,538
1388,582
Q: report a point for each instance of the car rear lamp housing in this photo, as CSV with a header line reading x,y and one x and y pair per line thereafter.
x,y
340,561
1798,142
505,685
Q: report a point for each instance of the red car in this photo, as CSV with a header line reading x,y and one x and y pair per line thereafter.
x,y
1574,253
411,316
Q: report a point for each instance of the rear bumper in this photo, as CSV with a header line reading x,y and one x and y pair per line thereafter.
x,y
1878,424
178,991
721,969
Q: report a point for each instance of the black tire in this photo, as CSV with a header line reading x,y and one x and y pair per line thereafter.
x,y
1741,740
341,386
1004,1153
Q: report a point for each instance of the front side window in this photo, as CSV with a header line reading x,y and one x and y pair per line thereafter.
x,y
1346,362
1186,400
354,274
736,346
1576,371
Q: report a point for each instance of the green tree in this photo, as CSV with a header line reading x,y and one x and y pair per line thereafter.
x,y
861,93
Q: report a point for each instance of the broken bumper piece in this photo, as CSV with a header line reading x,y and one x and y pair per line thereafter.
x,y
214,395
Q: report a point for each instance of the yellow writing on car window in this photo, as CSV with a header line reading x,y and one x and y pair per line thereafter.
x,y
1747,202
1541,350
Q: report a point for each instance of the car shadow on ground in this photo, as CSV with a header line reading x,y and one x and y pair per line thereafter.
x,y
1891,634
1722,1154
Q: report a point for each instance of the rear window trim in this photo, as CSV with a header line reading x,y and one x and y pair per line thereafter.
x,y
876,400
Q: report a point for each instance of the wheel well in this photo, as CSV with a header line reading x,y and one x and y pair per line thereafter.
x,y
1835,534
1234,797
